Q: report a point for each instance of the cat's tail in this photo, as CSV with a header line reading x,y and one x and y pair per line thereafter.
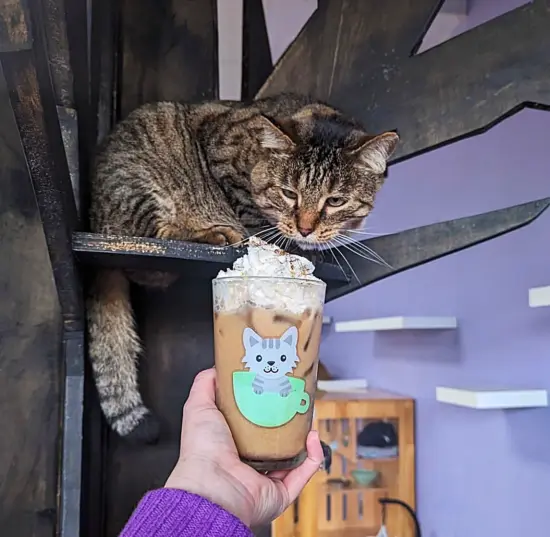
x,y
114,348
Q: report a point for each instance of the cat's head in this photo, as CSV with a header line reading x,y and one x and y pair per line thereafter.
x,y
319,175
270,357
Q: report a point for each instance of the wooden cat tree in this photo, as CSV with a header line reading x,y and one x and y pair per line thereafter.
x,y
71,69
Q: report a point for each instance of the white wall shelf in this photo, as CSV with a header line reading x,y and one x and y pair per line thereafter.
x,y
397,323
343,385
492,399
327,320
539,296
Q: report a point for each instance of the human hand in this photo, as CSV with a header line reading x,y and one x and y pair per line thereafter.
x,y
209,464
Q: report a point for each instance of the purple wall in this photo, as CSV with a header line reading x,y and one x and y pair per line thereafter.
x,y
479,473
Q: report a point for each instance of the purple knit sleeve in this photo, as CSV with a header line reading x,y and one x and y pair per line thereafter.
x,y
177,513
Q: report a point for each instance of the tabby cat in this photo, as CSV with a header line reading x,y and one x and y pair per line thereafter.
x,y
206,172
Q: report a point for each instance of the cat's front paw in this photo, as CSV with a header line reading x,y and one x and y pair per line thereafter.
x,y
258,390
285,392
224,236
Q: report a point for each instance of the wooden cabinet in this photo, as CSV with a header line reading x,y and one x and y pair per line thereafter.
x,y
333,503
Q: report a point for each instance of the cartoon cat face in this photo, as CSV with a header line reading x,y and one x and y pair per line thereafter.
x,y
270,357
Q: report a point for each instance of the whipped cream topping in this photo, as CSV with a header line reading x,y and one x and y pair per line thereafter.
x,y
267,260
264,260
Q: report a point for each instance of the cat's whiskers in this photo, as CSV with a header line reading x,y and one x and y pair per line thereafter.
x,y
357,245
272,235
258,234
238,243
352,247
318,247
363,232
287,242
279,241
333,251
265,231
364,254
370,251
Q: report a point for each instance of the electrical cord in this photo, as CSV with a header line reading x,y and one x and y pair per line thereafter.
x,y
406,506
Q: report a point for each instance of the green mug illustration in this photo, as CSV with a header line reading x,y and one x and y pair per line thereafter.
x,y
266,395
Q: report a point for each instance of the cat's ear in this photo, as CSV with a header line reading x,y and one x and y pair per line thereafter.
x,y
274,137
290,337
250,338
374,153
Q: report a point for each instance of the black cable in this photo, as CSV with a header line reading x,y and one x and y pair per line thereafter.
x,y
384,501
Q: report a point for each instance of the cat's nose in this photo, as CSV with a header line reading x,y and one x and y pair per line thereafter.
x,y
271,362
305,231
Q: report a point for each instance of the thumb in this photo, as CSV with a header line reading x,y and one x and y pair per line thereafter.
x,y
298,478
203,391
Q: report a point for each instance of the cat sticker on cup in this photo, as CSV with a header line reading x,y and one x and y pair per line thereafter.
x,y
267,394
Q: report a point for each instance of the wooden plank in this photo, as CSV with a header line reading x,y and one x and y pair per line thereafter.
x,y
455,7
65,35
363,64
191,259
55,33
36,117
76,21
34,106
103,65
30,333
14,27
405,484
257,63
169,51
352,509
283,525
337,34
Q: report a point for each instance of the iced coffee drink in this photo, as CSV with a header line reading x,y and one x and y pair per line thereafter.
x,y
268,317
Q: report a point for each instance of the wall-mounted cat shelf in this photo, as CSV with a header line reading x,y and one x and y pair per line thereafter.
x,y
397,323
195,260
492,399
539,296
401,251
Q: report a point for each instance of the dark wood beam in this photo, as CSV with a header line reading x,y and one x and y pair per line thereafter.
x,y
413,247
104,62
66,36
34,101
168,52
257,63
359,57
30,346
455,7
198,261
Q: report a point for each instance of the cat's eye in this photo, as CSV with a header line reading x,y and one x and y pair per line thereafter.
x,y
283,358
258,358
336,201
290,194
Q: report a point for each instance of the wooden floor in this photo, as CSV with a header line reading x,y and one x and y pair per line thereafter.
x,y
29,351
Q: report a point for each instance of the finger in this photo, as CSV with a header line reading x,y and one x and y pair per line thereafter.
x,y
278,474
297,479
203,391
